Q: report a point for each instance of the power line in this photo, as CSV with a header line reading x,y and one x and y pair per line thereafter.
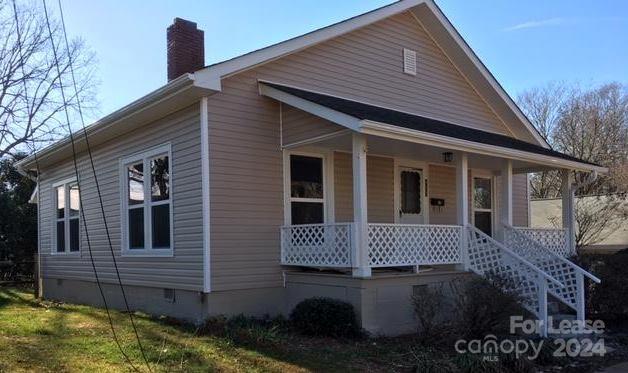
x,y
91,160
74,160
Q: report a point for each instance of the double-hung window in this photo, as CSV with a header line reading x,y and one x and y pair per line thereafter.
x,y
147,202
307,192
66,229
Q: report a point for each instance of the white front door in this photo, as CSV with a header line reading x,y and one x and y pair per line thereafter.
x,y
410,207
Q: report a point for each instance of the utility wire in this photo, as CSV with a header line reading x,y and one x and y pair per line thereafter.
x,y
102,209
76,172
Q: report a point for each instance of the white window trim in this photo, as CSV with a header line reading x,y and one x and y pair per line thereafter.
x,y
484,175
328,184
66,218
147,251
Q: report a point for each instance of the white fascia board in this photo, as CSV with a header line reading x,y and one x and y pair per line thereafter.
x,y
169,91
405,134
451,30
310,107
212,75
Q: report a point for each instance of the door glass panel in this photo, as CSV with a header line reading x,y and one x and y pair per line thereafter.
x,y
160,179
307,213
136,183
410,192
482,193
306,174
483,221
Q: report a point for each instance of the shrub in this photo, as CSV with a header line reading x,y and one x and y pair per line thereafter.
x,y
325,317
245,330
485,305
609,299
429,303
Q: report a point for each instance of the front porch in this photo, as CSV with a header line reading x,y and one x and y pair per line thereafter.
x,y
368,189
358,202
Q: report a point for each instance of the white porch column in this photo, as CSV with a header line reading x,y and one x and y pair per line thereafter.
x,y
569,208
360,213
505,206
462,202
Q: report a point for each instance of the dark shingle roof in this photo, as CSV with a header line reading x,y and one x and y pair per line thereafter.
x,y
415,122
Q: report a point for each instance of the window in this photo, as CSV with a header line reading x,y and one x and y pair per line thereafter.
x,y
307,200
147,203
483,204
67,204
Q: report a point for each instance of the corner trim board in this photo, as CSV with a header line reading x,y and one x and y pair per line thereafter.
x,y
204,119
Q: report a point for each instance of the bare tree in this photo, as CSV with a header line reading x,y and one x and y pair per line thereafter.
x,y
591,125
31,106
597,217
543,106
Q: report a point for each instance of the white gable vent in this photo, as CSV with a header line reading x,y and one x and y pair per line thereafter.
x,y
409,61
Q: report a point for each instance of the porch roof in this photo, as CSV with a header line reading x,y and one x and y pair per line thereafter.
x,y
358,115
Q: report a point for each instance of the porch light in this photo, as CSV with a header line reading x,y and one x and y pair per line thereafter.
x,y
448,157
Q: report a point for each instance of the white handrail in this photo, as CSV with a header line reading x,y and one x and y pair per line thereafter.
x,y
516,256
568,262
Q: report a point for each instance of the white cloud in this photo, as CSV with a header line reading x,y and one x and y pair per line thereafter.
x,y
535,24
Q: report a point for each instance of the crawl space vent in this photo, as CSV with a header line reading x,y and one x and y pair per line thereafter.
x,y
169,295
409,61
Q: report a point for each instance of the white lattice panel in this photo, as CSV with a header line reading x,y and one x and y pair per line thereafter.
x,y
316,245
554,240
406,245
486,257
550,262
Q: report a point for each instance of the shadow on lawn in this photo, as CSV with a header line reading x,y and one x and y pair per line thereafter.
x,y
173,346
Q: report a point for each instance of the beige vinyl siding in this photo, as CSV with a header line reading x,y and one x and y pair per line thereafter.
x,y
246,182
442,184
246,186
366,65
182,271
379,186
298,125
520,200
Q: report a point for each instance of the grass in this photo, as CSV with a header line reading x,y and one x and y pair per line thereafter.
x,y
51,337
45,336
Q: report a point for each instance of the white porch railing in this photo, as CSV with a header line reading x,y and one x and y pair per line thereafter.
x,y
389,245
554,240
409,244
317,245
570,275
487,256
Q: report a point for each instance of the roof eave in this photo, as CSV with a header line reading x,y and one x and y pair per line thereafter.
x,y
166,99
391,131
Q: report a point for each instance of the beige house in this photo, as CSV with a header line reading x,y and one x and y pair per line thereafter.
x,y
358,161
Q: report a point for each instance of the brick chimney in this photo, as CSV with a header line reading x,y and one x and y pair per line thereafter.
x,y
186,48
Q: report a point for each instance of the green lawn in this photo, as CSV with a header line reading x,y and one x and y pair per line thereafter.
x,y
44,336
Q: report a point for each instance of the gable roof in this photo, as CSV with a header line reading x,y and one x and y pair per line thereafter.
x,y
355,115
430,17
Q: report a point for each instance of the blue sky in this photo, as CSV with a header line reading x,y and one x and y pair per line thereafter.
x,y
523,43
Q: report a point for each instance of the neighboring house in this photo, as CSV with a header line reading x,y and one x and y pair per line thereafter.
x,y
358,161
613,236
